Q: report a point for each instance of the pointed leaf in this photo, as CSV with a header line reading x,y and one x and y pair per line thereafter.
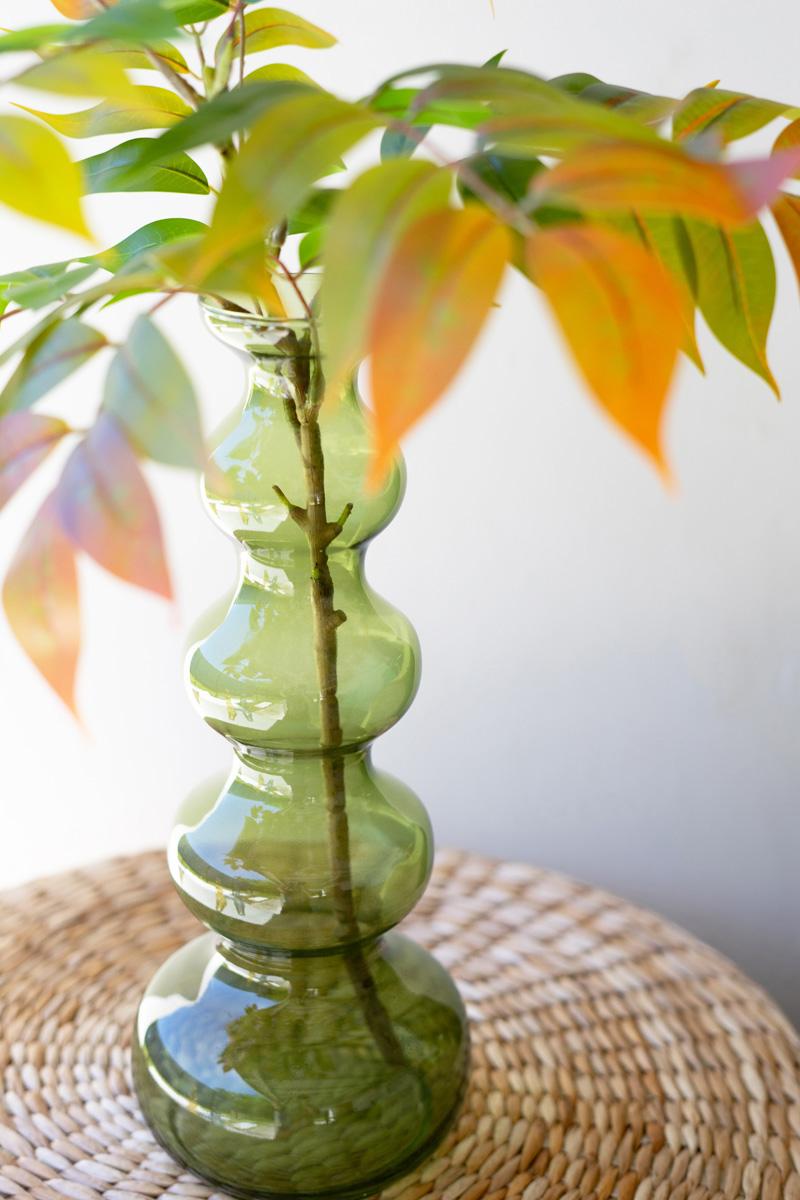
x,y
369,218
40,596
289,148
216,120
111,172
105,507
150,237
786,211
436,292
729,115
268,28
37,177
659,179
148,108
152,397
620,314
736,290
58,350
26,439
38,293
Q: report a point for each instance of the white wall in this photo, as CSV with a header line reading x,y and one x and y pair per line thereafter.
x,y
612,681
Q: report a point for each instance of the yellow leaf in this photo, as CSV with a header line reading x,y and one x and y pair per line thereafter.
x,y
435,294
40,596
80,72
37,176
145,108
620,313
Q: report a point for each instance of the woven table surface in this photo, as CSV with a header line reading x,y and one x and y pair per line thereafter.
x,y
613,1054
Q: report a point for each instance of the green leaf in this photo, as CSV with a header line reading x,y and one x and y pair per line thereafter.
x,y
26,439
397,144
510,177
311,245
728,115
736,290
289,148
150,394
37,274
37,176
269,28
112,172
496,59
315,209
216,120
38,293
526,115
150,237
366,224
36,37
147,108
54,354
106,509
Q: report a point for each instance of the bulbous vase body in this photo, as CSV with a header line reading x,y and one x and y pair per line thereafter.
x,y
302,1046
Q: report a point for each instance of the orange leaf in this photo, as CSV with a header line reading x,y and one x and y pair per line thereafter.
x,y
25,441
76,10
40,596
662,178
621,316
434,296
786,211
106,508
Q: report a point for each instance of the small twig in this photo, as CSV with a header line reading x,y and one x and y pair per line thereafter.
x,y
181,85
505,209
299,515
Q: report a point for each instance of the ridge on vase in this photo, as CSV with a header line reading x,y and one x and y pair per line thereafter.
x,y
301,1047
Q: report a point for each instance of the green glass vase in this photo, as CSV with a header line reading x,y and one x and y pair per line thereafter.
x,y
301,1047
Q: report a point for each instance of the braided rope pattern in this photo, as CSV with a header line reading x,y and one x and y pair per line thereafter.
x,y
614,1055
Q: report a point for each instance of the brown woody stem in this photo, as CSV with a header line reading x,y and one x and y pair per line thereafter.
x,y
320,533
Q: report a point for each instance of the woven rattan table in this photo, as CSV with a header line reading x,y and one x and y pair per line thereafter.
x,y
614,1055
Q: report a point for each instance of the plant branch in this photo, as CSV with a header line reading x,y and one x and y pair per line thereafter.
x,y
320,532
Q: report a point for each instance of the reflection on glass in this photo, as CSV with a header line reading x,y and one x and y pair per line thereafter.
x,y
301,1047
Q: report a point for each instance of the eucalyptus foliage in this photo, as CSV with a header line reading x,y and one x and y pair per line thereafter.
x,y
623,207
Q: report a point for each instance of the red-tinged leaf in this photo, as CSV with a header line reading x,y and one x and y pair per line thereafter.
x,y
620,313
26,439
787,139
105,507
367,220
726,115
786,211
618,176
759,179
40,596
436,292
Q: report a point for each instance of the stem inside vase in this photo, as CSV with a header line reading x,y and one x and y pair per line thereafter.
x,y
302,409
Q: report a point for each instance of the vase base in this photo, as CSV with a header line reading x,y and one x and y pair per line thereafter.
x,y
303,1077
